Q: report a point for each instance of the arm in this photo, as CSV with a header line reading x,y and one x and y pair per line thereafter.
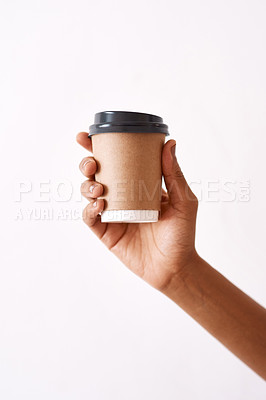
x,y
223,310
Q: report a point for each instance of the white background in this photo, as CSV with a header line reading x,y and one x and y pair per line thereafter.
x,y
75,323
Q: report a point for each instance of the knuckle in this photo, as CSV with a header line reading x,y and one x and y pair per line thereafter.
x,y
82,162
84,215
88,216
84,187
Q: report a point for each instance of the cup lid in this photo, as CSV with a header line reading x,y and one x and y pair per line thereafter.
x,y
127,121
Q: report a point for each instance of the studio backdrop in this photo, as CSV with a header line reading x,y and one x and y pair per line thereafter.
x,y
74,322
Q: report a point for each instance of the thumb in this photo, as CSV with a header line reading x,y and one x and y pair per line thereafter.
x,y
177,187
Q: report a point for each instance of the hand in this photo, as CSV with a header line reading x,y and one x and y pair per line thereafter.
x,y
157,252
164,255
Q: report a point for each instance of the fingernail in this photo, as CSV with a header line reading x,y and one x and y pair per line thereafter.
x,y
92,187
173,150
86,163
94,204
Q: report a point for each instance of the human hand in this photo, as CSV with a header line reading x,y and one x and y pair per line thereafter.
x,y
164,255
156,252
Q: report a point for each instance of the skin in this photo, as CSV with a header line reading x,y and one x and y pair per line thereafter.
x,y
164,255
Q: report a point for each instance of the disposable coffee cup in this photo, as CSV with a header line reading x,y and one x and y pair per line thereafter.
x,y
127,147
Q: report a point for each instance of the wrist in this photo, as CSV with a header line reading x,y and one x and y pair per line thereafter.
x,y
178,285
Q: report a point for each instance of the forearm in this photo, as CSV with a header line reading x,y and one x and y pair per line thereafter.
x,y
226,312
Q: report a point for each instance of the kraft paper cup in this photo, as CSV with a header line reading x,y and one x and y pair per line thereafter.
x,y
127,147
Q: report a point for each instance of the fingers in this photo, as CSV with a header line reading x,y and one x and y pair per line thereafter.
x,y
88,167
91,214
83,139
175,182
91,189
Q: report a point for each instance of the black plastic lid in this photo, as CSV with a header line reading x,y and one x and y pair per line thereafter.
x,y
127,121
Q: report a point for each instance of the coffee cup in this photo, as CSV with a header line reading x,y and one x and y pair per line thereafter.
x,y
127,147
